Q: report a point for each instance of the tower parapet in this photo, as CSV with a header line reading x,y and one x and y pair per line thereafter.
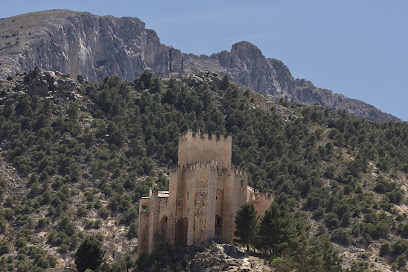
x,y
261,201
239,172
194,146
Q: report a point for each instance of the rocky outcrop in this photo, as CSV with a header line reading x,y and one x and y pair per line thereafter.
x,y
246,65
80,43
97,46
212,256
306,93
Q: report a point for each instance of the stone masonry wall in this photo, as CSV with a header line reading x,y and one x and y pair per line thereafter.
x,y
143,232
153,219
196,147
173,184
261,201
205,192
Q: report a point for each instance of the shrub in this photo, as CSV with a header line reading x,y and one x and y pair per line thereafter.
x,y
385,249
401,261
88,224
97,224
98,204
20,242
81,211
399,246
132,232
103,213
332,221
4,248
43,222
318,213
281,264
341,236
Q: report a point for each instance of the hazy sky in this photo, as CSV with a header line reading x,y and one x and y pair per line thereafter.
x,y
355,47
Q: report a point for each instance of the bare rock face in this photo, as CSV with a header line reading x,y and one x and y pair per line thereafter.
x,y
305,92
246,64
79,43
39,83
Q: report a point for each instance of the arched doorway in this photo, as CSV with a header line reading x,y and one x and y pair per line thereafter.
x,y
185,228
218,225
181,232
163,225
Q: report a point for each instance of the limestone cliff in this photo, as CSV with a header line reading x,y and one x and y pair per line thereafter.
x,y
80,43
97,46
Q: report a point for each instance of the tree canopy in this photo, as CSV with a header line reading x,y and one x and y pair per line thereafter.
x,y
246,221
89,255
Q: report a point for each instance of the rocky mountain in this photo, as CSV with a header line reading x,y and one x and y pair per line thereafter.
x,y
97,46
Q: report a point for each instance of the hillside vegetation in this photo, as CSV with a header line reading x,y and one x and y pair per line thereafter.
x,y
77,156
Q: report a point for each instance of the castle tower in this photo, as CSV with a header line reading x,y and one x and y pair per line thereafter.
x,y
205,192
195,147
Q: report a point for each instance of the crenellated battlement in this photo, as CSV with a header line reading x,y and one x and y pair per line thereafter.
x,y
174,168
239,172
261,201
260,196
195,146
198,136
257,196
213,165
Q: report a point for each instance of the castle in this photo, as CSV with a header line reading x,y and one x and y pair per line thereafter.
x,y
205,192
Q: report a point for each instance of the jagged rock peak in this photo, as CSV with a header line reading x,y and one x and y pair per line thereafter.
x,y
245,48
301,82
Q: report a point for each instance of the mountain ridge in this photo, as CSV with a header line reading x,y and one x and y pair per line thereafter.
x,y
96,46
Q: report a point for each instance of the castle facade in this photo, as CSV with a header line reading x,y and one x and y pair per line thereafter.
x,y
205,192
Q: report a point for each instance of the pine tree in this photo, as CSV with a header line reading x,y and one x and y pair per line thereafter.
x,y
225,82
89,255
246,221
277,229
157,86
319,255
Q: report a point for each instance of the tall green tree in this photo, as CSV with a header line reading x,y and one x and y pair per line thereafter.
x,y
90,254
321,255
225,83
246,221
277,229
316,254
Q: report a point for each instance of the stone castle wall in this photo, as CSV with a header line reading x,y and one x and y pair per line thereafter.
x,y
261,201
205,192
235,183
193,202
144,220
201,147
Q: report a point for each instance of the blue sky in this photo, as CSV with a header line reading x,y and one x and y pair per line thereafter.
x,y
358,48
